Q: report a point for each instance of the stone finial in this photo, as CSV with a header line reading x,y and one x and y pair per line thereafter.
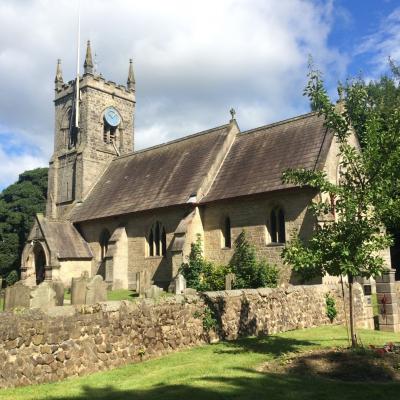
x,y
88,64
131,76
233,113
59,79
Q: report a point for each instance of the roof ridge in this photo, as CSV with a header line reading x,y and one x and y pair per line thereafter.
x,y
282,122
181,139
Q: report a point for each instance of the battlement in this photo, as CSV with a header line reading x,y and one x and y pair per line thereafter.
x,y
96,82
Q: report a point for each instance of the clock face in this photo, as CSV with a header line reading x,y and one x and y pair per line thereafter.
x,y
112,117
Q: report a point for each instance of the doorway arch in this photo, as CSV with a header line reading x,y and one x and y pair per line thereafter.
x,y
40,262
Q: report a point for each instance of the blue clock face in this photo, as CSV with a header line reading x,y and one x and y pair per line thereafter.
x,y
112,117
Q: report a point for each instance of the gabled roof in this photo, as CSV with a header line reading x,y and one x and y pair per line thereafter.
x,y
63,239
171,173
160,176
259,157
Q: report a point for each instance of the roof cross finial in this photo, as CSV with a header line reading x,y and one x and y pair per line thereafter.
x,y
233,113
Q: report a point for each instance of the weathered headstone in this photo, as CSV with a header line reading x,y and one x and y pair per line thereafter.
x,y
389,308
180,284
43,296
153,292
96,290
229,280
138,282
78,289
1,291
190,291
58,287
17,295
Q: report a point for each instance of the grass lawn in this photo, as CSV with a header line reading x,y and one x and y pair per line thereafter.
x,y
121,294
221,371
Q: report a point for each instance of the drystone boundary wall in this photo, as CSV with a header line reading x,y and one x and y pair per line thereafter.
x,y
42,346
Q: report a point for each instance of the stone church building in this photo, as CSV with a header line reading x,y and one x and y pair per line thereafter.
x,y
131,216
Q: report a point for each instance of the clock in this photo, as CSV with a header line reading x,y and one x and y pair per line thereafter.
x,y
112,117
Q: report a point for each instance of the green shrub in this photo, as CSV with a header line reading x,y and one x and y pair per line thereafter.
x,y
331,311
209,320
12,278
201,274
250,272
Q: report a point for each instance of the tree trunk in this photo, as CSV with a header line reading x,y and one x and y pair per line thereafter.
x,y
352,323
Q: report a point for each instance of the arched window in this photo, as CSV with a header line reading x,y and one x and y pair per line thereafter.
x,y
104,239
157,240
151,243
163,242
226,233
276,226
281,227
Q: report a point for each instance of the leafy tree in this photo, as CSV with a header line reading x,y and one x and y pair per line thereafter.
x,y
12,277
349,245
19,203
251,273
374,110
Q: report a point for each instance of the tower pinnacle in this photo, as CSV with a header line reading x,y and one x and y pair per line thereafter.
x,y
88,64
131,76
59,79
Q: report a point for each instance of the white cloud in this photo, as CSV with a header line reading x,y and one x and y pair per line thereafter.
x,y
11,165
193,60
383,44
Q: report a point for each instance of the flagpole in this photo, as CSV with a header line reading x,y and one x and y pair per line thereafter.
x,y
77,67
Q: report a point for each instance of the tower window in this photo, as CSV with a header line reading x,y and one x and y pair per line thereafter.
x,y
276,226
157,240
109,133
226,233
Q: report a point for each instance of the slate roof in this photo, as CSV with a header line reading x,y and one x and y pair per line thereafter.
x,y
63,238
168,174
258,157
160,176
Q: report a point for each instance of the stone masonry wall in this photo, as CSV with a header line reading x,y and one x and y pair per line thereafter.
x,y
38,346
252,214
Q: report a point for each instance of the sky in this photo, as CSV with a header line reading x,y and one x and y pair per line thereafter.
x,y
194,61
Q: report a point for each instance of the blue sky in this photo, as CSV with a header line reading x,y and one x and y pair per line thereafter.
x,y
193,61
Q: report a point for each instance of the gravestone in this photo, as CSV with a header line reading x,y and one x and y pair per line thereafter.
x,y
1,290
388,302
43,296
58,287
229,281
96,290
17,295
153,292
180,284
138,283
78,289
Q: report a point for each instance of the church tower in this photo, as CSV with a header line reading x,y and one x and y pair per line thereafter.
x,y
92,127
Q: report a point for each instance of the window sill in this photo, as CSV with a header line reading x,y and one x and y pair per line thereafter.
x,y
226,248
153,257
275,244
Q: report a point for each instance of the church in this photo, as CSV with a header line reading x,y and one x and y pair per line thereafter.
x,y
131,216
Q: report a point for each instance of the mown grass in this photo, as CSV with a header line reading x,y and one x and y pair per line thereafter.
x,y
121,294
221,371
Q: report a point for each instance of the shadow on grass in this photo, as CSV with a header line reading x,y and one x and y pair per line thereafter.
x,y
271,345
255,385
